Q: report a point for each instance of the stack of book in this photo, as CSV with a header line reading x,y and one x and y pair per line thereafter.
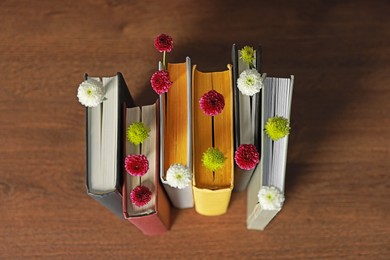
x,y
187,150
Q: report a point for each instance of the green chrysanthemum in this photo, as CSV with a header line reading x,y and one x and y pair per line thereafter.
x,y
277,127
247,54
137,133
213,159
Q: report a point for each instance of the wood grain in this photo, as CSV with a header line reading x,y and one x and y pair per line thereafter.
x,y
337,183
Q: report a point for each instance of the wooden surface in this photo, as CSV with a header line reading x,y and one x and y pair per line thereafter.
x,y
337,190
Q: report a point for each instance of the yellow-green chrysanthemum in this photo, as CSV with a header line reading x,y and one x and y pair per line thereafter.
x,y
213,159
277,127
137,133
247,54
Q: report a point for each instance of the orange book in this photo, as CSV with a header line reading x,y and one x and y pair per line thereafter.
x,y
212,190
175,131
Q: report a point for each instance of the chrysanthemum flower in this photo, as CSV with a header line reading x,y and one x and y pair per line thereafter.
x,y
212,103
91,93
270,198
179,176
160,81
277,127
247,54
136,165
137,132
140,196
163,42
213,159
246,156
250,82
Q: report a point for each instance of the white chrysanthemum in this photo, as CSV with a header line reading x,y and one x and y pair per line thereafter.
x,y
91,93
179,176
270,198
250,82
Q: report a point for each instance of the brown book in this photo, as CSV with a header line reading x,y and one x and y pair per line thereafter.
x,y
212,190
154,217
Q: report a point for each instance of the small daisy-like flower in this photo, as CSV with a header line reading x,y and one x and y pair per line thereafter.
x,y
246,156
213,159
160,81
270,198
137,132
163,42
179,176
140,196
212,103
277,127
247,54
136,165
91,93
250,82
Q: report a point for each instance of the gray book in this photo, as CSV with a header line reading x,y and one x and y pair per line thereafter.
x,y
247,110
104,146
276,101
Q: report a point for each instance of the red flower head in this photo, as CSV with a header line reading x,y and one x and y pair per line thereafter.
x,y
163,42
246,156
212,103
140,196
136,165
160,81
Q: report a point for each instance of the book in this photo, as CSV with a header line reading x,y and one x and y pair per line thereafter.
x,y
176,130
276,101
154,217
246,116
103,144
212,190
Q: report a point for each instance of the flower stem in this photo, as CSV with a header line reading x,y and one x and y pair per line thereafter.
x,y
213,143
164,67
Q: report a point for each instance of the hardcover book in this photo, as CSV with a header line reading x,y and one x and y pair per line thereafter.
x,y
176,131
246,116
104,145
276,101
152,218
212,189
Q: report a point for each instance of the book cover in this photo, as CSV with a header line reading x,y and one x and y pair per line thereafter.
x,y
103,139
246,116
176,131
276,101
212,189
152,214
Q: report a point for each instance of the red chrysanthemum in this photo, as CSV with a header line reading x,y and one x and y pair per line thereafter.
x,y
212,103
136,165
160,81
163,42
140,196
246,156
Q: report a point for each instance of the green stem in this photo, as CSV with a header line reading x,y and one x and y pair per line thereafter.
x,y
164,67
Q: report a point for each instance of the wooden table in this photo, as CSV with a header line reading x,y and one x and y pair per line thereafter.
x,y
337,190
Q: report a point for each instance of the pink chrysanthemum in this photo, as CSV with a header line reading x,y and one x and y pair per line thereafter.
x,y
136,165
246,156
212,103
160,81
140,196
163,42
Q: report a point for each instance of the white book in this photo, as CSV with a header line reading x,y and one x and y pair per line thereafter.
x,y
276,101
104,149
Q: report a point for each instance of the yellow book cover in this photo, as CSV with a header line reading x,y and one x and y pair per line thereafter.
x,y
212,189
